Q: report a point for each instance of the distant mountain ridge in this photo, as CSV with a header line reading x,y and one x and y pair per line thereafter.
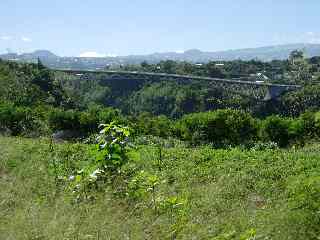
x,y
268,53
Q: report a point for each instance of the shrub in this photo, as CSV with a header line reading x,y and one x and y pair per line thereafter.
x,y
276,129
221,128
86,122
317,123
17,120
109,154
310,130
159,126
64,120
284,131
108,115
90,119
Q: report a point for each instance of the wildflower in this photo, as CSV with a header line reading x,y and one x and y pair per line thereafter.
x,y
71,178
95,174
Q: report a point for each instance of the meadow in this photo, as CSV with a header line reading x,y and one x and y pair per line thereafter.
x,y
167,191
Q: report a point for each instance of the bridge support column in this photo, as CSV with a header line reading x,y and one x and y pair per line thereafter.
x,y
274,92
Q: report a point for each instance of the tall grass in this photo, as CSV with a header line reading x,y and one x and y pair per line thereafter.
x,y
224,194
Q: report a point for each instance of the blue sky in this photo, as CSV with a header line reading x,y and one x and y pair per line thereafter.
x,y
101,27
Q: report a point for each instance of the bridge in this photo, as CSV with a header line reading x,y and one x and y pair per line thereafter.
x,y
272,91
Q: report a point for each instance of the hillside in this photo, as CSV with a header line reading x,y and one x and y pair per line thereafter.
x,y
263,53
276,194
165,161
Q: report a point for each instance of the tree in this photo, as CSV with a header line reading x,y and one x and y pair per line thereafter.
x,y
145,65
168,66
296,56
214,71
300,69
40,65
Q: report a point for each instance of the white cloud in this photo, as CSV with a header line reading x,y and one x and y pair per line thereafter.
x,y
91,54
95,55
26,39
5,38
111,55
313,37
315,40
179,51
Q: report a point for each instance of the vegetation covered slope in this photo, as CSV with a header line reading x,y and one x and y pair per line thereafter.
x,y
34,85
200,194
174,98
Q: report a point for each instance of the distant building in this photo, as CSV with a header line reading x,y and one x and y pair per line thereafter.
x,y
259,77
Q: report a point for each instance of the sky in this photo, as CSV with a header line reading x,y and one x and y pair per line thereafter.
x,y
124,27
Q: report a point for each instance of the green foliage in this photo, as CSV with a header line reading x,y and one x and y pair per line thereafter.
x,y
95,115
85,122
157,99
156,126
284,131
29,85
109,155
17,120
143,186
113,143
304,194
220,128
34,84
276,129
310,127
316,121
295,103
200,192
214,71
64,120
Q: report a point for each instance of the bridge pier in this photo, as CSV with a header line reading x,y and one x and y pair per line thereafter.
x,y
274,91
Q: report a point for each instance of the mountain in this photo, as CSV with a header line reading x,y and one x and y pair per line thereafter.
x,y
30,57
194,55
269,53
42,54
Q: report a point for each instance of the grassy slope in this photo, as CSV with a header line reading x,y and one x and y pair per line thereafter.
x,y
228,194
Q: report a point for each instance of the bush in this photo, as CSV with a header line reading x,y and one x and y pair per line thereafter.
x,y
64,120
310,130
276,129
86,122
316,128
108,115
284,131
17,120
220,128
159,126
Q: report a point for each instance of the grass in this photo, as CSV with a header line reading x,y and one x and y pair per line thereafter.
x,y
219,194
